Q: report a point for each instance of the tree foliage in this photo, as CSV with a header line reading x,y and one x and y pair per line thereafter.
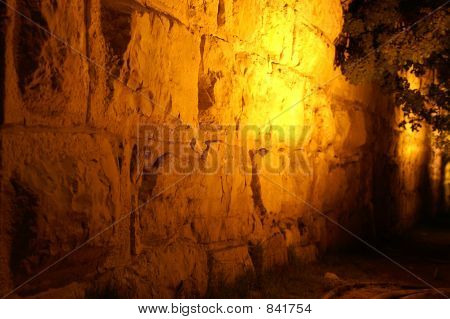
x,y
383,40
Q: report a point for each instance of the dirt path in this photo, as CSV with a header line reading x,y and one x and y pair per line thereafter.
x,y
364,274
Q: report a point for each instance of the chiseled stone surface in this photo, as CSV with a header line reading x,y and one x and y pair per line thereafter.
x,y
70,148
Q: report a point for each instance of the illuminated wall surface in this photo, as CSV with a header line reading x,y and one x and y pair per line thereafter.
x,y
221,125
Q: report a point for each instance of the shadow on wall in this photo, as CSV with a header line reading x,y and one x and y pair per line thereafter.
x,y
408,181
117,36
447,187
3,21
405,186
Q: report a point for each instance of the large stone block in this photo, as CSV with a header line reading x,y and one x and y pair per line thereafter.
x,y
60,189
175,270
163,69
228,265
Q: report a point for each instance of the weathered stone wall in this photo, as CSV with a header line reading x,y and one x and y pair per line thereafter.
x,y
72,152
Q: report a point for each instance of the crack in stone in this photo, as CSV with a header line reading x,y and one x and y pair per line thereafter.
x,y
255,185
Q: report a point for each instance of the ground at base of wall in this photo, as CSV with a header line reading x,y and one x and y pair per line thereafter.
x,y
425,251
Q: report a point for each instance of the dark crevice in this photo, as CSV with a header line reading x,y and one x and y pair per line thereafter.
x,y
206,85
120,154
133,164
169,106
87,17
221,13
3,21
255,185
117,36
24,234
29,41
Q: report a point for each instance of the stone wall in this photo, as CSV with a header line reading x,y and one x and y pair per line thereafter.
x,y
80,171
